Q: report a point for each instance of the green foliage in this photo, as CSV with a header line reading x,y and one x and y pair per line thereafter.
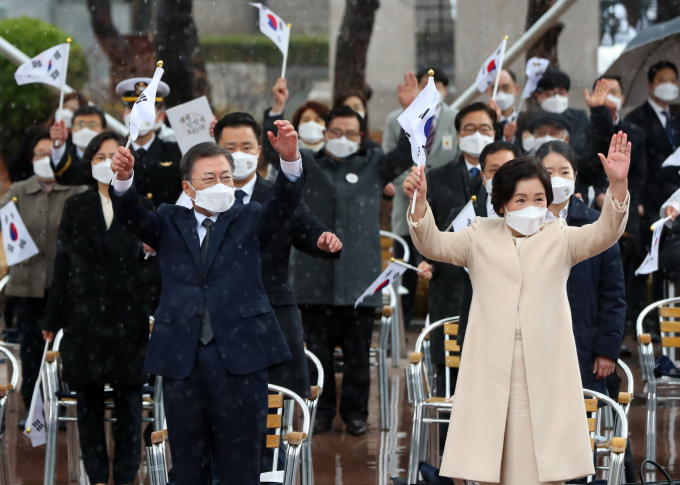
x,y
303,49
23,106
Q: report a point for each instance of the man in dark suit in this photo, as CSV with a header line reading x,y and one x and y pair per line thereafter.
x,y
157,170
215,334
239,134
68,145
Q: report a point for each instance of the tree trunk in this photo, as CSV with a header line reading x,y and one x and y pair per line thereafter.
x,y
176,44
546,46
667,10
122,58
352,46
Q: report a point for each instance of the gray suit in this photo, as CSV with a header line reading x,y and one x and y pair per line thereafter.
x,y
437,157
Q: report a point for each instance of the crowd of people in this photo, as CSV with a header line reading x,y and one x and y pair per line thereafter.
x,y
248,248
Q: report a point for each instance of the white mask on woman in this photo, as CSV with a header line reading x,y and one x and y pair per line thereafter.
x,y
555,104
666,91
341,147
43,168
102,172
475,143
562,189
244,164
311,132
528,143
526,221
83,137
215,199
504,100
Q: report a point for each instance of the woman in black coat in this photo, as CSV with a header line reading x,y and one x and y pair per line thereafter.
x,y
100,297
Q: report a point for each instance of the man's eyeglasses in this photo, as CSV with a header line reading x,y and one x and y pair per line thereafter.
x,y
471,129
39,155
93,125
350,135
213,180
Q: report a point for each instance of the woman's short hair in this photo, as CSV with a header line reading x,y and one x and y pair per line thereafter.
x,y
41,134
94,146
560,148
319,108
506,178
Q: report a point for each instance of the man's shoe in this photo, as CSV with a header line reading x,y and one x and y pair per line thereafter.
x,y
356,427
322,425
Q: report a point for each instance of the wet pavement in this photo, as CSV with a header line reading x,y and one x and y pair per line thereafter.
x,y
341,459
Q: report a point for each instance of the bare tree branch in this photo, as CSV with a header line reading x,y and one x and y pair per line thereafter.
x,y
546,46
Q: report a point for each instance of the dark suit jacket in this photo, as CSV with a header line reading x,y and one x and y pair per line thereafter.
x,y
302,233
661,183
247,333
100,296
156,174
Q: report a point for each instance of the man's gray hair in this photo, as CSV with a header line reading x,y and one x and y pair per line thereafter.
x,y
206,149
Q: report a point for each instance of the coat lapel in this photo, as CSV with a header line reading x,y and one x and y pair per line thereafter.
x,y
217,234
260,192
97,227
186,223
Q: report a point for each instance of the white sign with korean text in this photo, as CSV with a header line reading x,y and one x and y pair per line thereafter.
x,y
191,123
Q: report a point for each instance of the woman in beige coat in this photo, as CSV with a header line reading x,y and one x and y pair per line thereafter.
x,y
518,415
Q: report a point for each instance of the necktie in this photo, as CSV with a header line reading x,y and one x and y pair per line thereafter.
x,y
206,334
474,171
240,194
430,137
140,154
669,128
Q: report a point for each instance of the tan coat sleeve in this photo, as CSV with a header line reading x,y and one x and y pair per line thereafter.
x,y
11,193
445,247
592,239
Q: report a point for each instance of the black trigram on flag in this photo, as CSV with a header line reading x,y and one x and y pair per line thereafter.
x,y
36,63
55,74
38,425
141,99
57,55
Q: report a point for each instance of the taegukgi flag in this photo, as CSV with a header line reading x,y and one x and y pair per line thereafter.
x,y
392,273
274,27
145,106
17,242
416,120
535,69
489,70
37,424
464,218
651,262
48,67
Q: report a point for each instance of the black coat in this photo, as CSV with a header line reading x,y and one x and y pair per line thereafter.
x,y
100,297
661,182
156,173
303,233
351,209
448,187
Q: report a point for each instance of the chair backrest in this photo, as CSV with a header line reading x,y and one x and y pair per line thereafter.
x,y
618,443
669,324
8,387
3,282
386,241
451,351
626,397
318,388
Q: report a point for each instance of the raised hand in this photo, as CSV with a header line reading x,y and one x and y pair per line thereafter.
x,y
494,106
617,164
416,181
409,91
426,269
329,242
509,131
599,94
280,92
286,141
122,163
58,133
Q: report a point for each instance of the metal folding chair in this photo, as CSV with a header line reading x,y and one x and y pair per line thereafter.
x,y
307,466
427,407
5,390
613,471
58,395
396,337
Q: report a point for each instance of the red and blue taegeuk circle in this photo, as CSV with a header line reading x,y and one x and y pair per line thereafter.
x,y
13,233
272,21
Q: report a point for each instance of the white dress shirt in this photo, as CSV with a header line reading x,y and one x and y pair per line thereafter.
x,y
512,117
200,228
659,112
549,216
248,189
470,166
107,208
489,208
58,153
145,146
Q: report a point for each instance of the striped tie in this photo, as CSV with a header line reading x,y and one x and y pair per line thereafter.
x,y
430,138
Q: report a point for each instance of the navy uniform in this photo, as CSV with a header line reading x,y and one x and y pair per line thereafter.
x,y
157,161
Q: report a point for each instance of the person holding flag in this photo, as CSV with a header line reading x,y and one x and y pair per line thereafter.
x,y
277,30
68,145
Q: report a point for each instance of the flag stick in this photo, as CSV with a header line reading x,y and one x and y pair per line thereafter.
x,y
285,56
500,68
421,149
405,265
127,145
61,92
36,390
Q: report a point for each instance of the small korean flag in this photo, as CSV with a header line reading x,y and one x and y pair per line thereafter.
x,y
16,241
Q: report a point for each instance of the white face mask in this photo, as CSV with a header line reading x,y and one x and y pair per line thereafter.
x,y
215,199
562,189
528,143
83,137
504,100
43,168
489,186
666,91
66,115
526,221
102,172
545,139
244,165
341,147
311,132
315,147
442,95
555,104
475,143
616,100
